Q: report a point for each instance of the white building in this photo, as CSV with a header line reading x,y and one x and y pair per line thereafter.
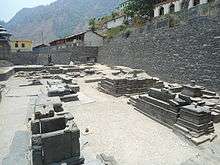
x,y
118,21
171,6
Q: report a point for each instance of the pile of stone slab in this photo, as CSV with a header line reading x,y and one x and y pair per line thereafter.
x,y
66,79
54,135
187,109
194,121
194,94
66,92
43,74
118,85
34,82
161,105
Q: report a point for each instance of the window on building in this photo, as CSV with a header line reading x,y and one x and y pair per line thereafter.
x,y
16,45
172,8
161,11
196,2
22,45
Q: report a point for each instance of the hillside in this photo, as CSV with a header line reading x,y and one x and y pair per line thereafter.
x,y
58,19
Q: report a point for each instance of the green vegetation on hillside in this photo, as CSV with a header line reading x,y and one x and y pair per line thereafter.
x,y
113,32
139,8
98,23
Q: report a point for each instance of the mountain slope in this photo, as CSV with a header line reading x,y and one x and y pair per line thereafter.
x,y
58,19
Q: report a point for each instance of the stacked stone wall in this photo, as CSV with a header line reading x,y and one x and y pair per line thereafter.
x,y
189,51
61,56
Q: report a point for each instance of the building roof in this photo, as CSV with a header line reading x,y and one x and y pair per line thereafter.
x,y
75,36
40,46
61,39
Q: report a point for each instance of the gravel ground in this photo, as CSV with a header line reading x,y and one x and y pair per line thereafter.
x,y
132,138
14,137
115,129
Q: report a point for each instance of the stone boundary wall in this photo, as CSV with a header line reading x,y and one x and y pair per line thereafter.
x,y
62,56
8,72
189,51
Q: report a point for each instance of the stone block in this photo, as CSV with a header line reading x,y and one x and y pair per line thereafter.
x,y
74,88
157,109
56,141
58,107
192,90
197,120
161,94
68,98
126,84
43,112
58,90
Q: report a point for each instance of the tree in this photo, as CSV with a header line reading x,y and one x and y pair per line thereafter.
x,y
139,8
92,24
114,14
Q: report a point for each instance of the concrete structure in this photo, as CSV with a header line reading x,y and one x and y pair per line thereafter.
x,y
21,45
115,22
88,38
172,6
4,43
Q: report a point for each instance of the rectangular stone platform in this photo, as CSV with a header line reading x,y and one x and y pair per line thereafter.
x,y
159,104
55,136
177,111
194,122
56,141
121,85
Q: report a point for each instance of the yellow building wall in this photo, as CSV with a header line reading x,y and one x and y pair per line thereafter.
x,y
21,45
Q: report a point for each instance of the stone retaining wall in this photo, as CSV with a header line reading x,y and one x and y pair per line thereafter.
x,y
63,56
189,51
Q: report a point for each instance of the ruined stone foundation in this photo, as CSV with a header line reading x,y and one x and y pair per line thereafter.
x,y
55,136
187,110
